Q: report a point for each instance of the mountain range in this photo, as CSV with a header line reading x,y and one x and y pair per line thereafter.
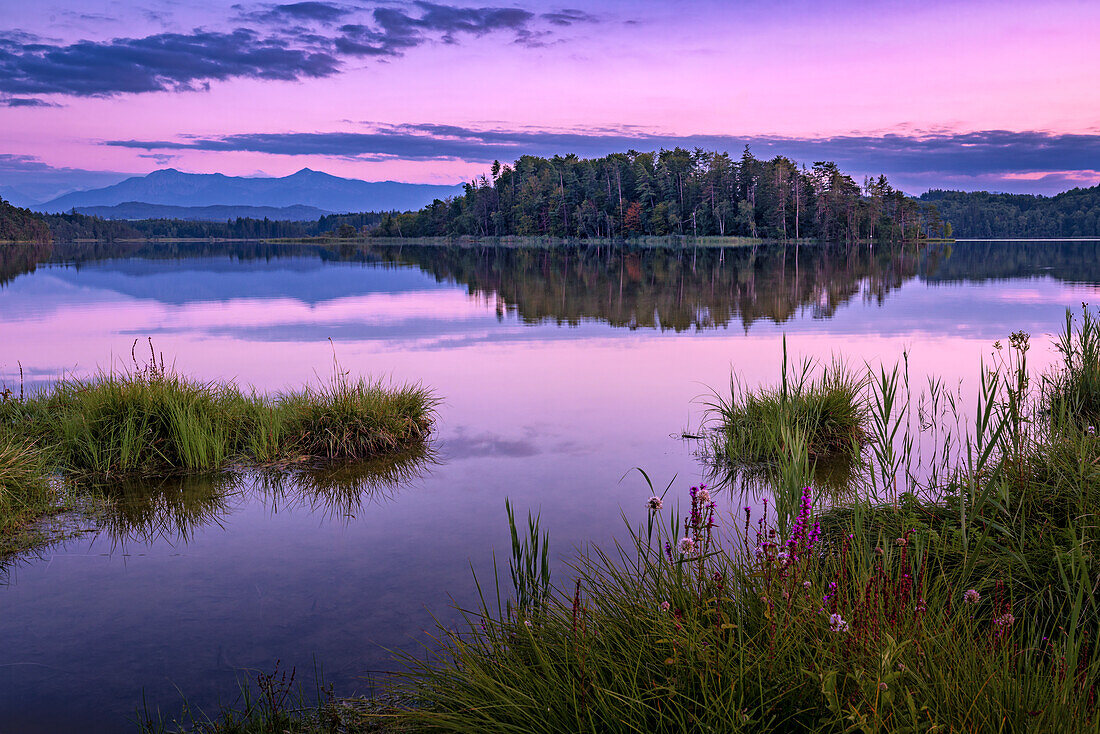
x,y
133,210
322,191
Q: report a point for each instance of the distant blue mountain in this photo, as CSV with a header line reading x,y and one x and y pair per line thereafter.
x,y
220,213
306,188
15,197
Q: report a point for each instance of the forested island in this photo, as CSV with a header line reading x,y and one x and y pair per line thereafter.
x,y
672,192
629,195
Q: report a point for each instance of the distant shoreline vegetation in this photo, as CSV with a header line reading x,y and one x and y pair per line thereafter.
x,y
626,197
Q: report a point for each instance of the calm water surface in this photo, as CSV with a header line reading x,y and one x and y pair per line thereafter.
x,y
559,369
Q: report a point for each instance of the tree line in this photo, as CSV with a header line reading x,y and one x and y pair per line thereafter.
x,y
21,225
75,226
1073,213
671,192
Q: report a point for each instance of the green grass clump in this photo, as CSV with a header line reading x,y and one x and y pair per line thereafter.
x,y
155,423
132,424
824,411
346,419
25,492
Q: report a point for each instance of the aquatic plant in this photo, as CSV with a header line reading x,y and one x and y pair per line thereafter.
x,y
822,409
969,600
25,492
152,421
1073,392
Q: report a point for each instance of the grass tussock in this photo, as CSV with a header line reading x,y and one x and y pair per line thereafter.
x,y
822,410
153,423
360,419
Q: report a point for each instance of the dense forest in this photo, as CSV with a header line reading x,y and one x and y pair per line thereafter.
x,y
671,192
73,226
1074,213
21,225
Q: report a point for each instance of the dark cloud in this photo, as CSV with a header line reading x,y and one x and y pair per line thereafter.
x,y
994,151
24,102
289,42
317,12
568,17
394,30
165,61
160,159
12,163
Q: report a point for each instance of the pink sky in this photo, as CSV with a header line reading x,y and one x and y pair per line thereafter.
x,y
673,70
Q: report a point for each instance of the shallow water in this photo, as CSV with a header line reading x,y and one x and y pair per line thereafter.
x,y
560,370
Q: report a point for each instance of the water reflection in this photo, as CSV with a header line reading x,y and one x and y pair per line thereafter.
x,y
838,476
17,259
173,509
677,289
167,508
339,491
334,568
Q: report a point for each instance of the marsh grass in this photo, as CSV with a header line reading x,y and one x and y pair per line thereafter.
x,y
959,592
154,423
767,634
25,491
1074,391
824,409
105,434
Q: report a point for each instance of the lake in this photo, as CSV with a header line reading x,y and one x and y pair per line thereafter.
x,y
559,369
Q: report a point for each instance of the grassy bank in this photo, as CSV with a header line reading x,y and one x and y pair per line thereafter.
x,y
151,423
963,598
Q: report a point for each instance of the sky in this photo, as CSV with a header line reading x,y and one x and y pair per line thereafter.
x,y
1001,96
